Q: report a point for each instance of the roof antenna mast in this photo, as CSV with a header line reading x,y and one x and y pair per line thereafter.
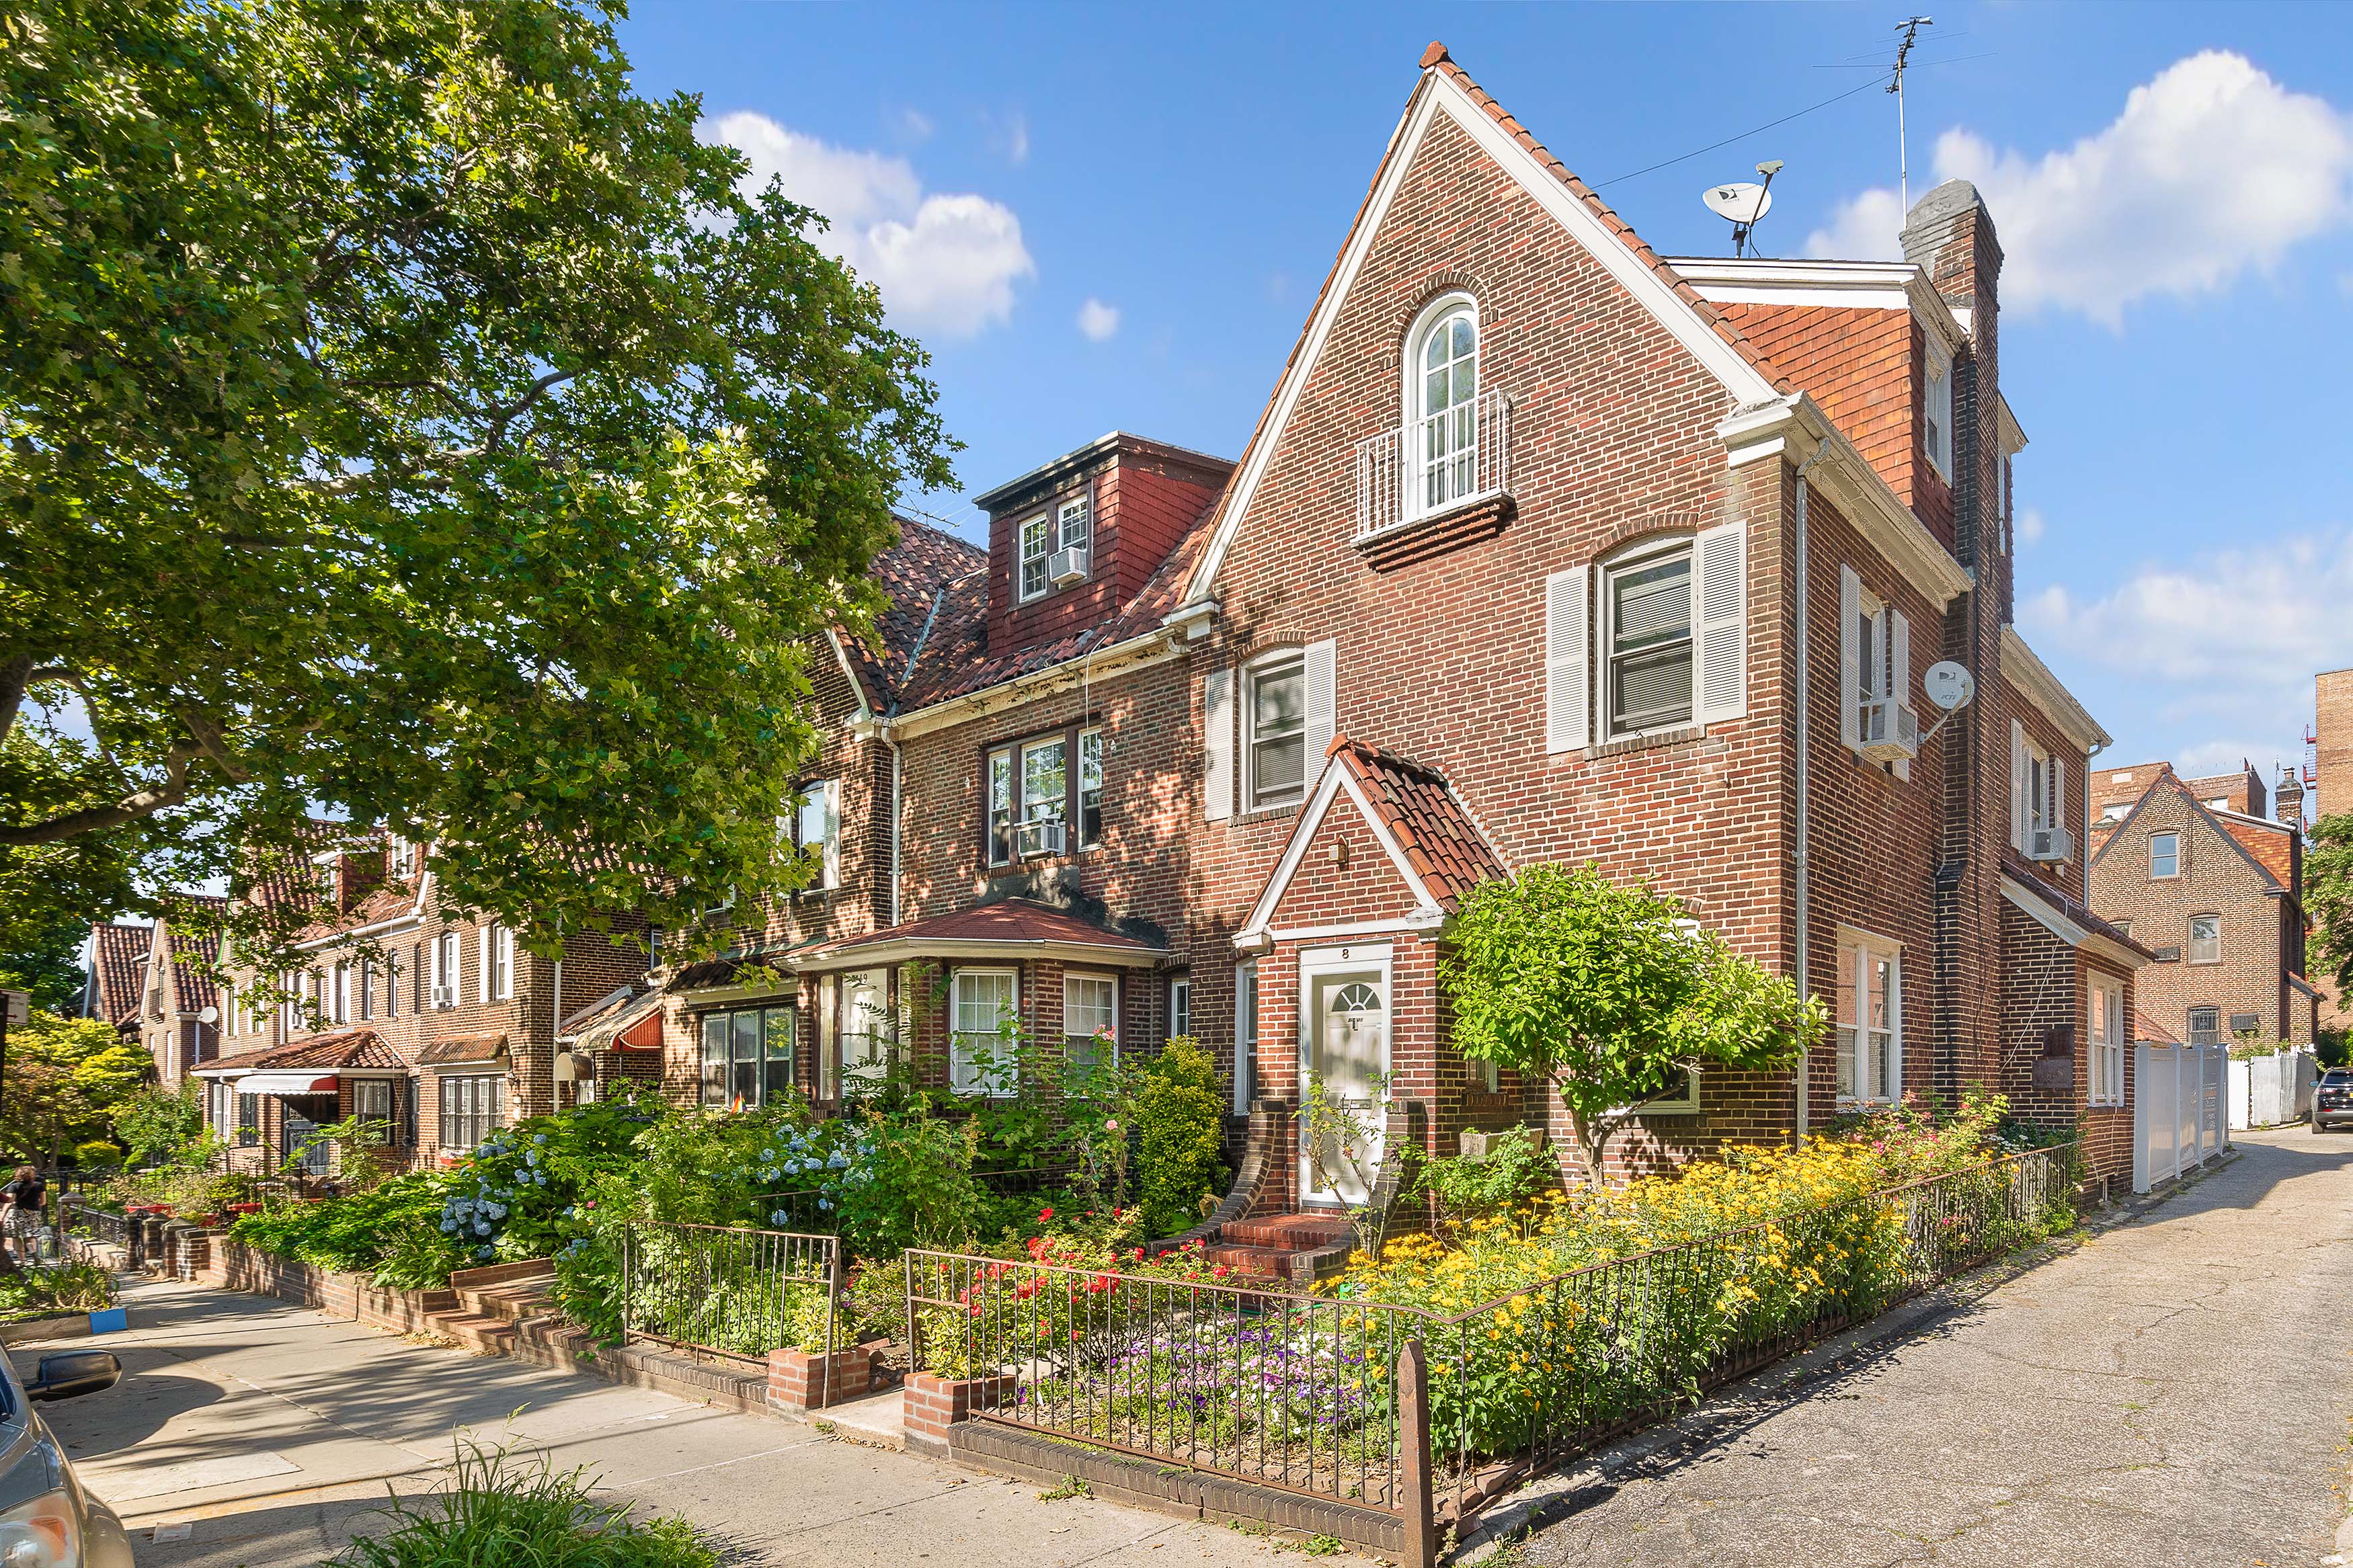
x,y
1909,29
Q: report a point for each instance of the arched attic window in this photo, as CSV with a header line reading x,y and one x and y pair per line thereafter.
x,y
1441,413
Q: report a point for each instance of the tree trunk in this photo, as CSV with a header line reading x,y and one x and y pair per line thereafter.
x,y
1592,1133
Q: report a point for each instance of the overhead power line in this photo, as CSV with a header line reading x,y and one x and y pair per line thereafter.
x,y
1879,81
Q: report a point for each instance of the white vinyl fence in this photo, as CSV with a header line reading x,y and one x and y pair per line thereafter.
x,y
2273,1091
2177,1122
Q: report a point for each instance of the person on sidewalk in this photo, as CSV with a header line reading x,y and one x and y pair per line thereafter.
x,y
22,1205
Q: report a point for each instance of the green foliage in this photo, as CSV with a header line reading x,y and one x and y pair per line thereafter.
x,y
2328,896
1517,1168
1571,980
567,440
1180,1110
496,1510
63,1288
97,1154
161,1126
350,1234
62,1081
45,918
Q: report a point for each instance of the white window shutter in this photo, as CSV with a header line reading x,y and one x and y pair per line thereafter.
x,y
485,964
1721,632
1218,745
1849,656
833,833
2018,784
2058,794
1569,693
1322,665
1899,637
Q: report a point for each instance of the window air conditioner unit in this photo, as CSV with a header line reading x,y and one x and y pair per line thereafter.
x,y
2167,954
1890,730
2050,844
1067,566
1039,837
444,997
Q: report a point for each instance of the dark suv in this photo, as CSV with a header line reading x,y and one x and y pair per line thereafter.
x,y
47,1520
2332,1099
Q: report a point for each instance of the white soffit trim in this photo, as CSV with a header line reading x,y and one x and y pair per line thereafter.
x,y
1437,93
2013,433
842,657
1335,778
1797,425
1844,285
2034,677
2039,909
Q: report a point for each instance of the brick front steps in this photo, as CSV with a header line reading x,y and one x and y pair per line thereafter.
x,y
1292,1249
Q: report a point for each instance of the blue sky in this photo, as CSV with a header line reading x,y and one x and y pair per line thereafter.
x,y
1105,217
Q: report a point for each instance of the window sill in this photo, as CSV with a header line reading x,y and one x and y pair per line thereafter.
x,y
1265,813
1648,741
1437,533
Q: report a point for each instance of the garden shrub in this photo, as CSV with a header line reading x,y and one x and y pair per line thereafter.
x,y
66,1287
348,1234
1517,1169
1180,1112
496,1510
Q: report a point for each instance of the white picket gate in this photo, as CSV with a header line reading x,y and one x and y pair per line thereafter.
x,y
2177,1122
2273,1091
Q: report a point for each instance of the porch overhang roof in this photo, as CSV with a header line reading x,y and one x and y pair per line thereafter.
x,y
1011,929
2072,924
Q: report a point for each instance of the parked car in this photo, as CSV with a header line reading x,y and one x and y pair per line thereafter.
x,y
46,1519
2332,1099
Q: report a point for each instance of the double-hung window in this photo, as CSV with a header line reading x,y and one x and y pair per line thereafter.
x,y
498,964
1180,1007
469,1109
1870,1020
982,1010
1937,410
1090,1019
248,1119
867,1025
2107,1032
747,1056
372,1102
445,970
817,829
1076,523
339,1000
2164,854
1275,700
1646,637
1038,804
2205,938
1037,555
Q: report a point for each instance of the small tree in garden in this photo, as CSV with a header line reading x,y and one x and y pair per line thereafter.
x,y
1598,990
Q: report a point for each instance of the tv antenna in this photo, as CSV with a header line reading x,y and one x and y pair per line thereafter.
x,y
1743,201
1909,29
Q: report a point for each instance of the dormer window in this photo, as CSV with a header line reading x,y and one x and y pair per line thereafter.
x,y
1937,410
1037,552
1056,549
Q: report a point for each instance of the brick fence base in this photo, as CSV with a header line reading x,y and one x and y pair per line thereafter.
x,y
799,1381
933,1404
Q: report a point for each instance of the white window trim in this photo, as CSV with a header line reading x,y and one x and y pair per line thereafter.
x,y
1253,672
1066,537
2190,938
2107,1049
1180,1006
2154,875
1022,592
1936,398
958,1064
1245,1032
1647,552
1088,978
825,794
1411,470
1850,940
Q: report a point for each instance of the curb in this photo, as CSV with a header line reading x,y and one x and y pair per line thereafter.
x,y
1542,1501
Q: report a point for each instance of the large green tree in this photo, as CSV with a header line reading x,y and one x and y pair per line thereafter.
x,y
1609,995
2329,904
408,423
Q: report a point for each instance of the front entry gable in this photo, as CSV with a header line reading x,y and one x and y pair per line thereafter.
x,y
1383,844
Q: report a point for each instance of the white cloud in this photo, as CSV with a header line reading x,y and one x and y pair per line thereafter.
x,y
2211,171
943,263
2030,526
1007,135
913,125
2232,637
1097,320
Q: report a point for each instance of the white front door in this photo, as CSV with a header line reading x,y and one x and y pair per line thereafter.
x,y
1347,1031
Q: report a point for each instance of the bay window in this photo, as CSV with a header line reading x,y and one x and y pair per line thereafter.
x,y
1090,1019
470,1109
747,1055
982,1009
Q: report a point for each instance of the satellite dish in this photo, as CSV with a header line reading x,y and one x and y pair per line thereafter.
x,y
209,1016
1741,202
1949,685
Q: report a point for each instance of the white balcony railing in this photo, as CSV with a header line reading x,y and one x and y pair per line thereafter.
x,y
1432,465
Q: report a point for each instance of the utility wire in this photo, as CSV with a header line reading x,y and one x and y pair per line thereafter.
x,y
1687,157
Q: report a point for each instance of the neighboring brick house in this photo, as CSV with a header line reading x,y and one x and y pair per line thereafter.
x,y
439,1025
116,989
2332,790
2216,892
179,992
1510,574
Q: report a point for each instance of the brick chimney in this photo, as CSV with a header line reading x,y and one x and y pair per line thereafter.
x,y
1949,236
2288,796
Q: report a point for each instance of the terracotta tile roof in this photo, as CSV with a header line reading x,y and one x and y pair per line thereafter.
x,y
1428,820
117,959
1008,922
1436,55
713,973
461,1049
2266,842
914,575
329,1052
191,979
2023,872
2148,1028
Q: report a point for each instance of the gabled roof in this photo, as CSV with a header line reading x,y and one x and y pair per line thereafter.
x,y
333,1051
2148,1028
1446,89
915,575
2168,781
1424,827
2071,922
118,967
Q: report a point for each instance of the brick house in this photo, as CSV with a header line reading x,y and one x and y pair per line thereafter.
x,y
1545,549
441,1026
2215,888
154,984
115,991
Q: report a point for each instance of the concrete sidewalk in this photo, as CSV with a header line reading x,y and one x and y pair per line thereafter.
x,y
248,1433
2173,1391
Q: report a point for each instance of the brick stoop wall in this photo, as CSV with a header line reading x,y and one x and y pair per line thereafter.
x,y
232,1266
799,1381
1165,1488
933,1405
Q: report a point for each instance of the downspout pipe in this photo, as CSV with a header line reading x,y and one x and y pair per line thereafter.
x,y
1804,666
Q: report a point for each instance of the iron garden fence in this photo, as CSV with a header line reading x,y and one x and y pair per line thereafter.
x,y
731,1292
